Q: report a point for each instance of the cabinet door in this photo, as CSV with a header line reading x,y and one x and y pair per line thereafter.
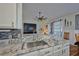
x,y
35,53
77,21
58,53
49,54
66,51
7,14
46,51
58,47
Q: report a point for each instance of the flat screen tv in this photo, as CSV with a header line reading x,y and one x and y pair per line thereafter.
x,y
29,28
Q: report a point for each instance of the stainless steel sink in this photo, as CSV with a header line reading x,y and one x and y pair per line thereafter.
x,y
36,43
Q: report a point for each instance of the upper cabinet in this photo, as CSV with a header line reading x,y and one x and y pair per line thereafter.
x,y
77,22
7,15
11,15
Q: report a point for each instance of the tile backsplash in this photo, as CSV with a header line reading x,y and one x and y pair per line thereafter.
x,y
15,33
7,34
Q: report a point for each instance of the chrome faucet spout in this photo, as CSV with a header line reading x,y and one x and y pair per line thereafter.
x,y
23,46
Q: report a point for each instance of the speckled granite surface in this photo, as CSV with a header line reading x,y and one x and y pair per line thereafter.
x,y
13,47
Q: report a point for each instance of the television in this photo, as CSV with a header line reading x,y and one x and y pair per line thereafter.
x,y
29,28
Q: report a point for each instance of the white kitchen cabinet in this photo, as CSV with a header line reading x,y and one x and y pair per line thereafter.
x,y
46,51
11,15
58,53
35,53
49,54
66,48
57,48
7,15
42,52
66,51
62,49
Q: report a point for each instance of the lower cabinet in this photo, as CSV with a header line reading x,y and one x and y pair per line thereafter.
x,y
58,50
35,53
62,52
47,51
49,54
66,51
58,53
42,52
51,51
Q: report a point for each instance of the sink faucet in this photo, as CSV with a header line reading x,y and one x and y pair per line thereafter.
x,y
22,47
23,41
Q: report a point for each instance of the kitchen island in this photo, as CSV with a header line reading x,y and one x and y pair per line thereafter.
x,y
22,47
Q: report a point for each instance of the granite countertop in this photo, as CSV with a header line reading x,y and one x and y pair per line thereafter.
x,y
16,49
23,47
28,50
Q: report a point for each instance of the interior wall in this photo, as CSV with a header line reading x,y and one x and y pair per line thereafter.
x,y
70,29
30,11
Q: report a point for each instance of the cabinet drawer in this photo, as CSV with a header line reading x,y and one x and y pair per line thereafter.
x,y
57,47
46,51
59,53
49,54
35,53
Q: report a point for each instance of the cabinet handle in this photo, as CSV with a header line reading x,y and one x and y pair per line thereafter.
x,y
12,24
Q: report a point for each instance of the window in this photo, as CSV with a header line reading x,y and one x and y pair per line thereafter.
x,y
56,29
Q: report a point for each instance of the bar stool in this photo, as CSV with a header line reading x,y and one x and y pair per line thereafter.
x,y
77,41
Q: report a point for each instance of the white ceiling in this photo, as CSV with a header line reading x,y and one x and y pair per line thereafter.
x,y
51,10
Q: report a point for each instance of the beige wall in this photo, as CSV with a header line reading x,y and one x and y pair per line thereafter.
x,y
71,29
29,14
